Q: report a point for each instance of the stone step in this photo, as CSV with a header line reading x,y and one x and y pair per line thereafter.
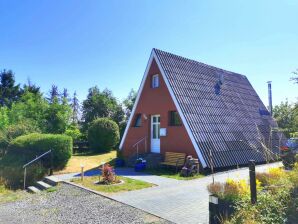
x,y
153,159
51,180
42,185
33,189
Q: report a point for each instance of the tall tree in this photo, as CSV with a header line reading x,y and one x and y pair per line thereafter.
x,y
9,92
129,102
286,115
101,104
54,93
295,78
65,96
30,107
75,105
32,88
4,119
57,116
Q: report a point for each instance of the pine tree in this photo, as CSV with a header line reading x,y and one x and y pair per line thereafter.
x,y
65,96
32,88
54,93
75,108
9,92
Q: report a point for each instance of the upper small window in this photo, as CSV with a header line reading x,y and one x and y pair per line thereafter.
x,y
174,119
138,120
155,81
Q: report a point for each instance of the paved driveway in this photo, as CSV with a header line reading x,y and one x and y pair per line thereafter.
x,y
175,200
179,201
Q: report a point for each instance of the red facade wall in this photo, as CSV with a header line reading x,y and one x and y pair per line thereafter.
x,y
155,101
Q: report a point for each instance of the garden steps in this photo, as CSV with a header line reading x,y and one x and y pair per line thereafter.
x,y
33,189
51,180
42,185
46,183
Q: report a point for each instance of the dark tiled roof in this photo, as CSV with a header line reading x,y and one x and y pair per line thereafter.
x,y
228,126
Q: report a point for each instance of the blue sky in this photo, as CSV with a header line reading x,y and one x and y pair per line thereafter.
x,y
79,44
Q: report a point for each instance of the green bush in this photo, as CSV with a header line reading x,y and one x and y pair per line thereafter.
x,y
13,174
25,148
3,143
73,132
103,135
21,128
36,144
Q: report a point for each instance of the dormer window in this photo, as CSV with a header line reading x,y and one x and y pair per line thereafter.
x,y
155,81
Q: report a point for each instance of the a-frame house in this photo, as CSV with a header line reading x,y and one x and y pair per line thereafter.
x,y
210,113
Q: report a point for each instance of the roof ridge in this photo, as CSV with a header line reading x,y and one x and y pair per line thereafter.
x,y
198,62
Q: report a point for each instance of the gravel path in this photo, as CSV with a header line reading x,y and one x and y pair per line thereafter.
x,y
70,204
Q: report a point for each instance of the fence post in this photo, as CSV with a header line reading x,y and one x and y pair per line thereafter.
x,y
252,179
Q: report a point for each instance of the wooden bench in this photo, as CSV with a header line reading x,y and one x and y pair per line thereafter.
x,y
174,159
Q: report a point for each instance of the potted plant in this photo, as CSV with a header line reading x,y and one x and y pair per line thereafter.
x,y
140,165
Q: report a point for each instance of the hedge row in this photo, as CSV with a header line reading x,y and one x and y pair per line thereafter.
x,y
25,148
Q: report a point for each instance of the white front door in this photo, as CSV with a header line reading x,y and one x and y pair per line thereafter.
x,y
155,137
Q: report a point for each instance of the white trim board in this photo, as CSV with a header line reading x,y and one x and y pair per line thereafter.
x,y
189,132
137,100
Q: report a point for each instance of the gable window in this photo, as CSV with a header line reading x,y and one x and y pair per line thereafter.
x,y
138,120
174,119
155,81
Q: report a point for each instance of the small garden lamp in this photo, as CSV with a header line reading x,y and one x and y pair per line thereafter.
x,y
101,166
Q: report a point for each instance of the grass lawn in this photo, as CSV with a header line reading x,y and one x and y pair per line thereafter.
x,y
89,161
9,195
128,185
169,173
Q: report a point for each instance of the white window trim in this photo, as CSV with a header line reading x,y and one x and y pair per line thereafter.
x,y
154,83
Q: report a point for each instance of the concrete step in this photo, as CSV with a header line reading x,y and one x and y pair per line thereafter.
x,y
51,180
153,159
42,185
33,189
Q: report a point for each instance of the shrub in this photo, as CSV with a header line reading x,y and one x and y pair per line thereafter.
x,y
103,135
271,208
73,132
3,143
25,148
21,128
231,190
13,173
36,144
108,175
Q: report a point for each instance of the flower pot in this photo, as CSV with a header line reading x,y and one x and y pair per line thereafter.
x,y
140,167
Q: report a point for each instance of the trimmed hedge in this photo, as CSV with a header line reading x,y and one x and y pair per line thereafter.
x,y
103,134
37,144
25,148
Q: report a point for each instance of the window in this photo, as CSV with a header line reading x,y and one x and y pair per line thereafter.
x,y
138,120
155,81
174,119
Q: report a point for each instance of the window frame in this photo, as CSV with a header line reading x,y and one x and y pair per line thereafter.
x,y
174,119
137,119
153,82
